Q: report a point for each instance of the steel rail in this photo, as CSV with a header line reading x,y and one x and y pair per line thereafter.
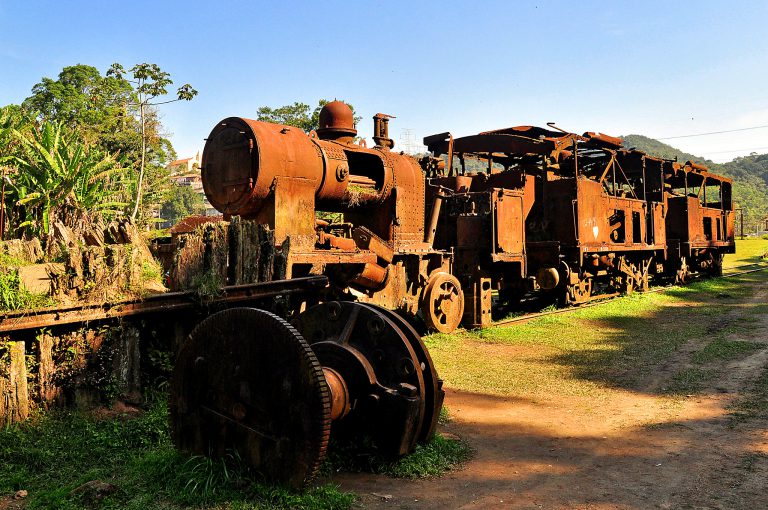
x,y
159,303
598,300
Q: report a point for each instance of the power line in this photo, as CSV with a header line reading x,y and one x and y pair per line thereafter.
x,y
713,132
739,150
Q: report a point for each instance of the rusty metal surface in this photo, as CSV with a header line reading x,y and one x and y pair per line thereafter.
x,y
598,218
608,213
160,303
249,382
246,381
280,176
442,304
391,381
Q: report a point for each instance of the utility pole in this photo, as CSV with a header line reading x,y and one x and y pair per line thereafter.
x,y
741,220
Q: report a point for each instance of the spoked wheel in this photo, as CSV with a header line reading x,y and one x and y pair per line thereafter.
x,y
442,303
433,385
389,378
247,382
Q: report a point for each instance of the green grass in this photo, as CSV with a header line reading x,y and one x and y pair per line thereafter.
x,y
151,271
445,416
617,344
63,450
748,251
208,285
755,404
724,350
60,451
688,381
14,297
435,458
9,261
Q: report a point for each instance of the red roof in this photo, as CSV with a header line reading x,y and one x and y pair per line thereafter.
x,y
190,223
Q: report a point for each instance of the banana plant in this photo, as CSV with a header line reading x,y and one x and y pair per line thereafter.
x,y
55,168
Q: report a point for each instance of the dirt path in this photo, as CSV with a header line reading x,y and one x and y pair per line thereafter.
x,y
621,450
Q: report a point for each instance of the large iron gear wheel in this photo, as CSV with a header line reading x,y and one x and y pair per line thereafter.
x,y
442,304
246,381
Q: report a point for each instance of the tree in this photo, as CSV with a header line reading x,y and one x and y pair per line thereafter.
x,y
58,169
11,118
150,83
296,115
81,98
182,201
103,110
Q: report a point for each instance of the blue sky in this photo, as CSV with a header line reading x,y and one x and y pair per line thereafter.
x,y
655,68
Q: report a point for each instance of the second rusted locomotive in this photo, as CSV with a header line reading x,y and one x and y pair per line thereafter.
x,y
484,219
572,215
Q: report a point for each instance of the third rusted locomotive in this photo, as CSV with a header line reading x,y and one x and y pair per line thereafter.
x,y
482,220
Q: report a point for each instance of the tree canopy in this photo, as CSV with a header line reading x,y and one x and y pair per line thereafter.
x,y
298,115
182,201
81,98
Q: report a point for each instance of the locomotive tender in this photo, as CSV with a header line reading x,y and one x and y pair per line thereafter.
x,y
515,210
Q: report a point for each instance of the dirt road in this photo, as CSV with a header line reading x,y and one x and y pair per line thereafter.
x,y
621,449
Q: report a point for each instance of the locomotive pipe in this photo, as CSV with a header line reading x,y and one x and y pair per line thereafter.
x,y
434,216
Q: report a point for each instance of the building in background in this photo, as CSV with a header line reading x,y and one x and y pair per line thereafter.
x,y
186,172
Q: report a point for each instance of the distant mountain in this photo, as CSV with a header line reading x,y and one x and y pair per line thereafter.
x,y
661,150
749,173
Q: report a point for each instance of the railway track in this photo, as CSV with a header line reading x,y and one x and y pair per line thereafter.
x,y
599,300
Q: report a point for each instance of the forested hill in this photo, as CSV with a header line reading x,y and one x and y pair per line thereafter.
x,y
750,175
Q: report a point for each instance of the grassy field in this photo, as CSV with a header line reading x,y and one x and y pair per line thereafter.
x,y
59,452
614,344
748,251
63,451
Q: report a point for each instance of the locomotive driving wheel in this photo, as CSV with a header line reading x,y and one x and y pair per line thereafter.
x,y
433,385
442,303
391,383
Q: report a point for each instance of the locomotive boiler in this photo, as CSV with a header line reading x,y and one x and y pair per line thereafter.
x,y
354,213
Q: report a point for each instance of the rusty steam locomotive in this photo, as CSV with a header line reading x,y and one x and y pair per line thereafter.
x,y
516,211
